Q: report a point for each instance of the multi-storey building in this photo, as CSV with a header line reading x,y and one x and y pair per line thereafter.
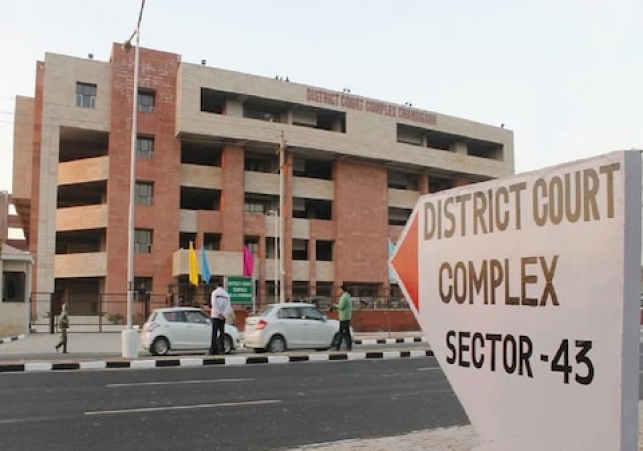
x,y
208,171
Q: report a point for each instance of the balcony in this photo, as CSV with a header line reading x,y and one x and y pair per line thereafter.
x,y
221,263
197,176
91,264
400,198
261,183
83,171
81,218
310,188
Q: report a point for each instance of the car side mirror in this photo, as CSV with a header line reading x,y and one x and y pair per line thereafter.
x,y
324,318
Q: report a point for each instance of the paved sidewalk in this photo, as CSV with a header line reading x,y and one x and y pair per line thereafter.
x,y
35,345
96,351
460,438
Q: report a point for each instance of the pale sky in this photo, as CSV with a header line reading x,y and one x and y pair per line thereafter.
x,y
565,75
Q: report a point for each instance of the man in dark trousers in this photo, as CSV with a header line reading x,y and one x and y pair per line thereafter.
x,y
219,306
344,311
63,325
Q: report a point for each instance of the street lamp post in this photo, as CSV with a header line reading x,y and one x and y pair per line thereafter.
x,y
129,337
275,214
281,216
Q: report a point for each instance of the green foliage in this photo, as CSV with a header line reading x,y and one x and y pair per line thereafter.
x,y
116,318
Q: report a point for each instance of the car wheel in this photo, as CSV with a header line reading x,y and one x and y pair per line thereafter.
x,y
160,346
277,344
227,344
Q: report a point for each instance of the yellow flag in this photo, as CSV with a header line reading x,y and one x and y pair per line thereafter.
x,y
193,273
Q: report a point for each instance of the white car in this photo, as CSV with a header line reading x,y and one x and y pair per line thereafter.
x,y
292,325
183,329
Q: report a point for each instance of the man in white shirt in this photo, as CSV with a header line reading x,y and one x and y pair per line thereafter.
x,y
219,306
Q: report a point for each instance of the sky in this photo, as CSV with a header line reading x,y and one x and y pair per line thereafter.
x,y
566,76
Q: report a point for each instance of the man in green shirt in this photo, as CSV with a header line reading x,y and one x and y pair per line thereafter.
x,y
344,311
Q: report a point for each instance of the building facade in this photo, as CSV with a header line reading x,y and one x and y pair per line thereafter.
x,y
208,171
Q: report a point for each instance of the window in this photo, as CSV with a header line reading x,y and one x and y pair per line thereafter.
x,y
174,316
324,251
144,193
257,203
299,249
143,287
145,101
212,101
402,180
289,313
196,317
312,313
253,245
398,216
261,163
145,147
85,95
262,114
212,241
312,208
13,288
185,238
142,241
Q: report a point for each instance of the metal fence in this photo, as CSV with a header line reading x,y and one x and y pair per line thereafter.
x,y
102,313
108,311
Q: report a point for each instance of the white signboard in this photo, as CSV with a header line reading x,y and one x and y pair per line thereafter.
x,y
528,290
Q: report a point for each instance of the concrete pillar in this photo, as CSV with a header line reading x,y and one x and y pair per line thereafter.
x,y
460,147
423,184
4,216
232,198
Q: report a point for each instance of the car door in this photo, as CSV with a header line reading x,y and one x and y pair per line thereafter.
x,y
199,329
291,326
317,332
177,329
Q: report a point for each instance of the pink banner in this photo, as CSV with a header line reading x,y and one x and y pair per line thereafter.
x,y
248,261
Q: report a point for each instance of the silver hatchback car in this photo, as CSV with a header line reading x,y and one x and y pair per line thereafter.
x,y
292,325
183,329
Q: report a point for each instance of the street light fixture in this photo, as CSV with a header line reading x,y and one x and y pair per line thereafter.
x,y
129,336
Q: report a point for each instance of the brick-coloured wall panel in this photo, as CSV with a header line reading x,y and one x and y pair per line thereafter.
x,y
157,71
360,214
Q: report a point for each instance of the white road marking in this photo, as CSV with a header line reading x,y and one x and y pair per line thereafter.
x,y
185,407
428,369
195,381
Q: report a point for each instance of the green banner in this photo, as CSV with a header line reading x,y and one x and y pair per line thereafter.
x,y
240,289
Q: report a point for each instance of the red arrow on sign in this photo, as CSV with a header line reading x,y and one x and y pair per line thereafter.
x,y
405,262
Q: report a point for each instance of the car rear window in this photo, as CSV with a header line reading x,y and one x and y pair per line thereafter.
x,y
266,310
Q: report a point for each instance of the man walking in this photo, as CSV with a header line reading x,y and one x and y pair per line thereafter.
x,y
63,325
219,306
344,311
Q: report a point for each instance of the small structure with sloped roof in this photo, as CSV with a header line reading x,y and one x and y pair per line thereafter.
x,y
15,268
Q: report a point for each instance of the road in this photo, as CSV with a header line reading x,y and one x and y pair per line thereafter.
x,y
264,407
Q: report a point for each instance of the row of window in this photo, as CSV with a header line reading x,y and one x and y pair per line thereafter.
x,y
302,208
86,94
212,102
143,241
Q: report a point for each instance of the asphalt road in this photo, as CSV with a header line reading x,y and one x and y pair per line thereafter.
x,y
264,407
